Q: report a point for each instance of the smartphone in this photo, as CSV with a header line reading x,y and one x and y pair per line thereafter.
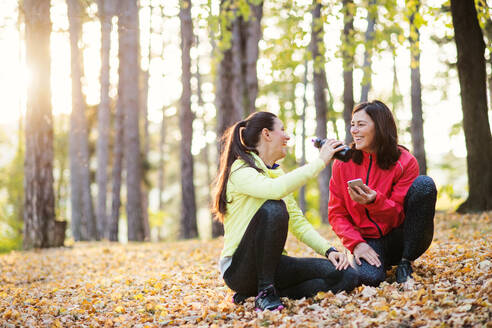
x,y
355,182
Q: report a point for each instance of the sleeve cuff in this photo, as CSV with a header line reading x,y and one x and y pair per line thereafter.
x,y
351,245
376,203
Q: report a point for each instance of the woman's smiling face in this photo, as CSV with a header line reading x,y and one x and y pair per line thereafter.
x,y
363,131
279,139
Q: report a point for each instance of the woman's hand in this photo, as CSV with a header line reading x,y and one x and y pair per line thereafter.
x,y
339,260
362,195
364,251
330,147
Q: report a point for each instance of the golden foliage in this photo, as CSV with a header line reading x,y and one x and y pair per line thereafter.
x,y
178,284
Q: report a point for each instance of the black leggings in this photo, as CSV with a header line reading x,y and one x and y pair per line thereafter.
x,y
258,261
408,241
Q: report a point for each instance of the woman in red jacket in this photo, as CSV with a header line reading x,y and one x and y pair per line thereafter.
x,y
390,218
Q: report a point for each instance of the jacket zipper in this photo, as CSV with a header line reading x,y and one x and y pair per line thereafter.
x,y
367,184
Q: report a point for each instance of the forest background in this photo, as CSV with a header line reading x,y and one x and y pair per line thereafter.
x,y
112,110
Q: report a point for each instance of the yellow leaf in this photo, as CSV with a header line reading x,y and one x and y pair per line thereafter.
x,y
119,309
138,297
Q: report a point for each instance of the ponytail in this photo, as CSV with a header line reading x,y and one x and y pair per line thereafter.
x,y
238,142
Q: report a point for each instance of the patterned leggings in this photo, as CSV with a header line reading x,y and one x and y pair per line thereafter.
x,y
411,239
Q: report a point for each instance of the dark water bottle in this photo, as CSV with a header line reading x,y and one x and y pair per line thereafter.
x,y
343,155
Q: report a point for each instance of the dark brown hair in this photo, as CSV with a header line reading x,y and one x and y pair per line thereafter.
x,y
386,136
237,142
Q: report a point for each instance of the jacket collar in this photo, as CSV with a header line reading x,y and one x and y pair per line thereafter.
x,y
366,155
262,165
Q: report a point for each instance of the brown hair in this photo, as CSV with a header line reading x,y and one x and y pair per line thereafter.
x,y
237,142
386,136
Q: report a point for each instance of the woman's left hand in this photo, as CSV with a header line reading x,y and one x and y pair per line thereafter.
x,y
339,260
362,195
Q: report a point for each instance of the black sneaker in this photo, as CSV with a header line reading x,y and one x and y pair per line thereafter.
x,y
403,271
239,298
268,299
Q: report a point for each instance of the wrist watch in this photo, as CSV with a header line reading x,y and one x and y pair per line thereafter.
x,y
331,249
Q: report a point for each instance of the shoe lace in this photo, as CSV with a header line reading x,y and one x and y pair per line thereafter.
x,y
268,299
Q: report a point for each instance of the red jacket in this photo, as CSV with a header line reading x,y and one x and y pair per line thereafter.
x,y
353,222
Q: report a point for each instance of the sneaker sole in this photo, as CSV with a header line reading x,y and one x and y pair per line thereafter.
x,y
278,308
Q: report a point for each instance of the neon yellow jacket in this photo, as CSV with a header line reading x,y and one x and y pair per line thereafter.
x,y
248,189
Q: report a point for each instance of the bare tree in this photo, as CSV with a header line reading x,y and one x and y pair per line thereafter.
x,y
252,35
217,226
206,150
162,142
188,203
368,44
319,84
117,164
228,106
105,12
82,207
39,200
129,95
471,72
237,87
417,124
348,50
145,136
302,191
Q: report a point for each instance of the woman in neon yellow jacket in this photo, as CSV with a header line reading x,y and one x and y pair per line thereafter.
x,y
253,198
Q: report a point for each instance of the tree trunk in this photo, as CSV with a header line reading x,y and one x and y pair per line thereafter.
x,y
188,205
488,34
417,124
471,71
239,90
348,50
319,84
217,226
250,54
129,55
103,120
205,151
302,191
39,200
113,228
243,58
227,108
369,46
146,142
162,141
79,137
396,97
